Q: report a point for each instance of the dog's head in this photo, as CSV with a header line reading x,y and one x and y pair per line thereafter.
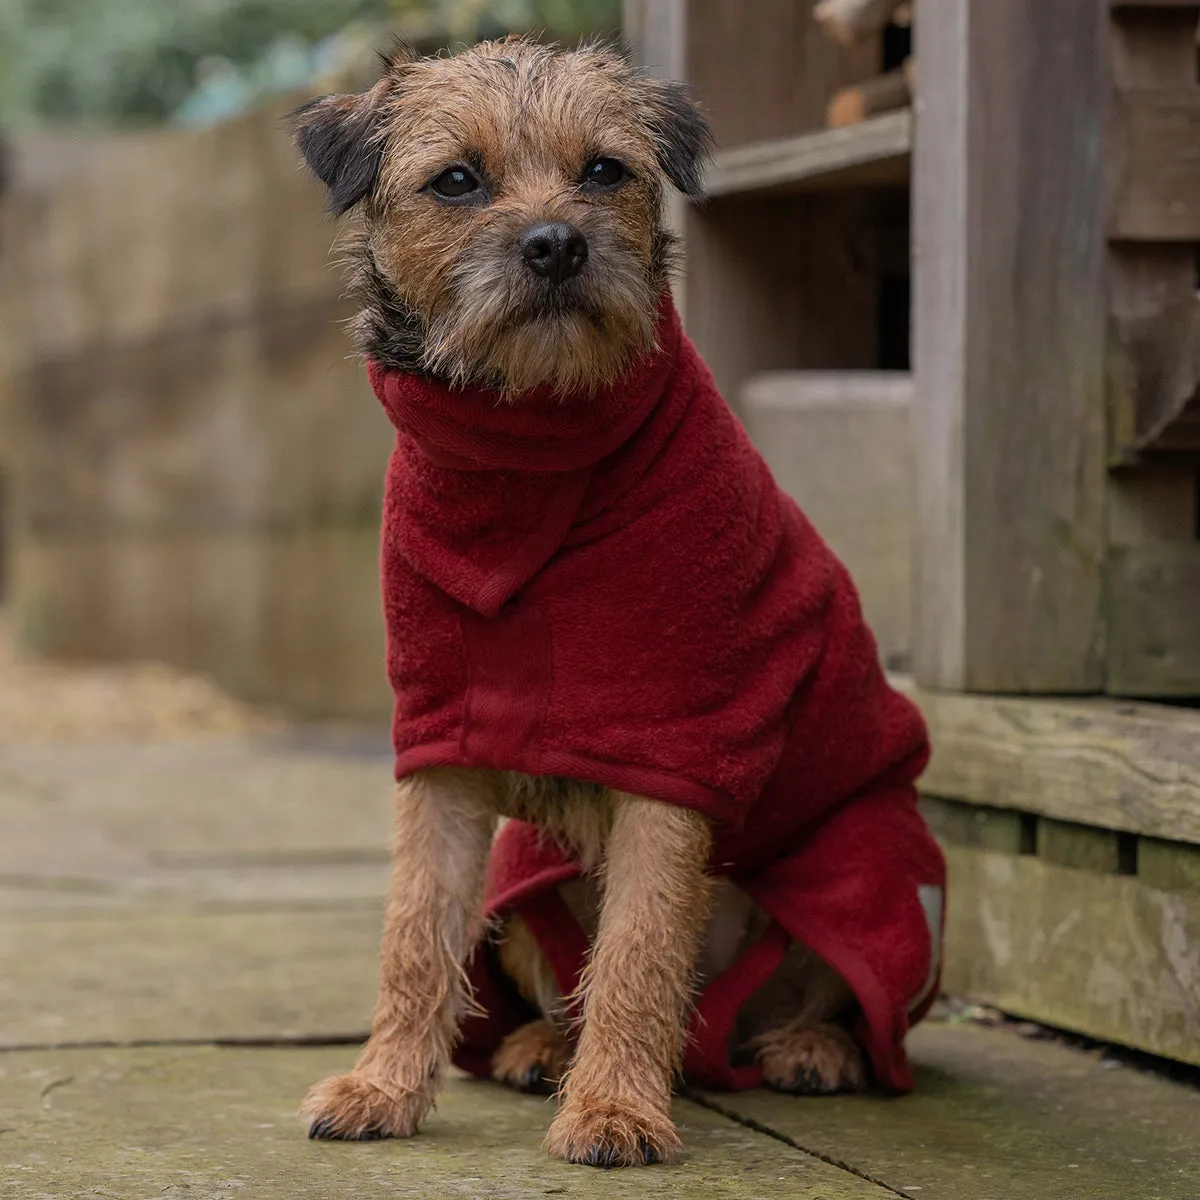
x,y
512,202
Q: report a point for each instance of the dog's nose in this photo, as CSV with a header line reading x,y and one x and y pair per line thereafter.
x,y
555,250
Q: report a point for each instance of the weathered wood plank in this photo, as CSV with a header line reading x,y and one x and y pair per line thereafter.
x,y
795,305
771,75
286,616
981,828
1171,866
170,230
873,153
1068,844
250,424
1010,333
1129,767
1159,388
840,443
1156,193
1154,620
1102,954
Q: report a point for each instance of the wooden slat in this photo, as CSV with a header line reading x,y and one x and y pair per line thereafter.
x,y
1010,334
1154,620
873,153
1122,766
1160,380
768,74
1157,147
1102,954
768,286
840,444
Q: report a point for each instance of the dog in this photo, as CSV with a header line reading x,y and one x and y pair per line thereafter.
x,y
610,636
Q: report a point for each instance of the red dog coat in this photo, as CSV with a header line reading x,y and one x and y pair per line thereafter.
x,y
611,587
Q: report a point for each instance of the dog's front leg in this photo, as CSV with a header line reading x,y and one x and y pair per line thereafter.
x,y
616,1098
444,824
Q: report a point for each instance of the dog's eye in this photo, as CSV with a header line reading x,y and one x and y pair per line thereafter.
x,y
605,172
454,183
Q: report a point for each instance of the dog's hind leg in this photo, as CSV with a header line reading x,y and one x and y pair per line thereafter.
x,y
796,1027
444,823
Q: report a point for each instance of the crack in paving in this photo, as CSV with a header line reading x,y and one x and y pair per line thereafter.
x,y
301,1041
704,1101
53,1086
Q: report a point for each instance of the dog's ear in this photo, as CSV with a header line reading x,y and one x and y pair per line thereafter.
x,y
681,133
341,139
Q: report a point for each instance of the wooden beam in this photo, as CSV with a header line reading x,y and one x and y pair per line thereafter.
x,y
1122,766
1157,164
1106,955
873,153
1160,383
1010,333
1154,620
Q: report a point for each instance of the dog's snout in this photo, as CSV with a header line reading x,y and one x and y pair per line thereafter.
x,y
554,250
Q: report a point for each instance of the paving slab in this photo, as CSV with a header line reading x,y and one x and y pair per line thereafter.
x,y
112,806
999,1117
200,1123
145,976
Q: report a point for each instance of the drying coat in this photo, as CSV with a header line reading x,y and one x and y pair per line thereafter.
x,y
611,587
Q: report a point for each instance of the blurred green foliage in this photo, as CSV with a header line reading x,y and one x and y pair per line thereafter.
x,y
121,62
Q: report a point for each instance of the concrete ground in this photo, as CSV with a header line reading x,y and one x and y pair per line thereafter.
x,y
189,911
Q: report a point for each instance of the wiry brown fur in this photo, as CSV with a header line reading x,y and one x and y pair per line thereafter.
x,y
444,290
440,287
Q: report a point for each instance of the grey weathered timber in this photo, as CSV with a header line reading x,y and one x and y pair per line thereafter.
x,y
1154,619
1122,766
1157,188
840,444
1161,389
1010,327
783,74
1105,955
873,153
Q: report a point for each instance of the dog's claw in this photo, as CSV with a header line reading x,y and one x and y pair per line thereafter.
x,y
605,1156
327,1131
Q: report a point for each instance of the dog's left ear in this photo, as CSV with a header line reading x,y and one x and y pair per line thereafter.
x,y
681,133
341,139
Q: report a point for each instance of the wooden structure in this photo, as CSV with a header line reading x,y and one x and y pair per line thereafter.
x,y
195,464
1037,212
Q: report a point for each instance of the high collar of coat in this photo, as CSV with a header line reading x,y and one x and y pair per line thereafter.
x,y
475,428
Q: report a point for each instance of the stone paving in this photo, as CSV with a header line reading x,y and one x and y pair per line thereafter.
x,y
188,932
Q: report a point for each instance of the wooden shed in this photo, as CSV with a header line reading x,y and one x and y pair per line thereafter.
x,y
966,334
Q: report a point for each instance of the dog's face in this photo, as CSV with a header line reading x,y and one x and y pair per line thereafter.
x,y
512,202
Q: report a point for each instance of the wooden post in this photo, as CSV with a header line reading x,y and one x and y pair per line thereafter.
x,y
1009,343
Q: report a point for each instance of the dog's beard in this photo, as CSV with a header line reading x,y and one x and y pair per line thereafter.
x,y
504,327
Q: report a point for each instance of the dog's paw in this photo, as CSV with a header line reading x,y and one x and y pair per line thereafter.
x,y
354,1109
612,1134
811,1060
533,1058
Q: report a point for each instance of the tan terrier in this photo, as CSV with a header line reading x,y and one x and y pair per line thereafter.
x,y
607,625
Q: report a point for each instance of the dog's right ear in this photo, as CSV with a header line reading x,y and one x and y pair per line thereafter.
x,y
341,138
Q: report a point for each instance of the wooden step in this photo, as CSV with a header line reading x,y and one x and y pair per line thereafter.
x,y
873,153
839,443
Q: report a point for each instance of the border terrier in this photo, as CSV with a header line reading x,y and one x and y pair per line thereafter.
x,y
655,809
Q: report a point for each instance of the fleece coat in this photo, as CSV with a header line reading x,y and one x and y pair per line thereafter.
x,y
611,587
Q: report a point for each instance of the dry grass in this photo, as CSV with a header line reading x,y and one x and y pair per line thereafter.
x,y
50,699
